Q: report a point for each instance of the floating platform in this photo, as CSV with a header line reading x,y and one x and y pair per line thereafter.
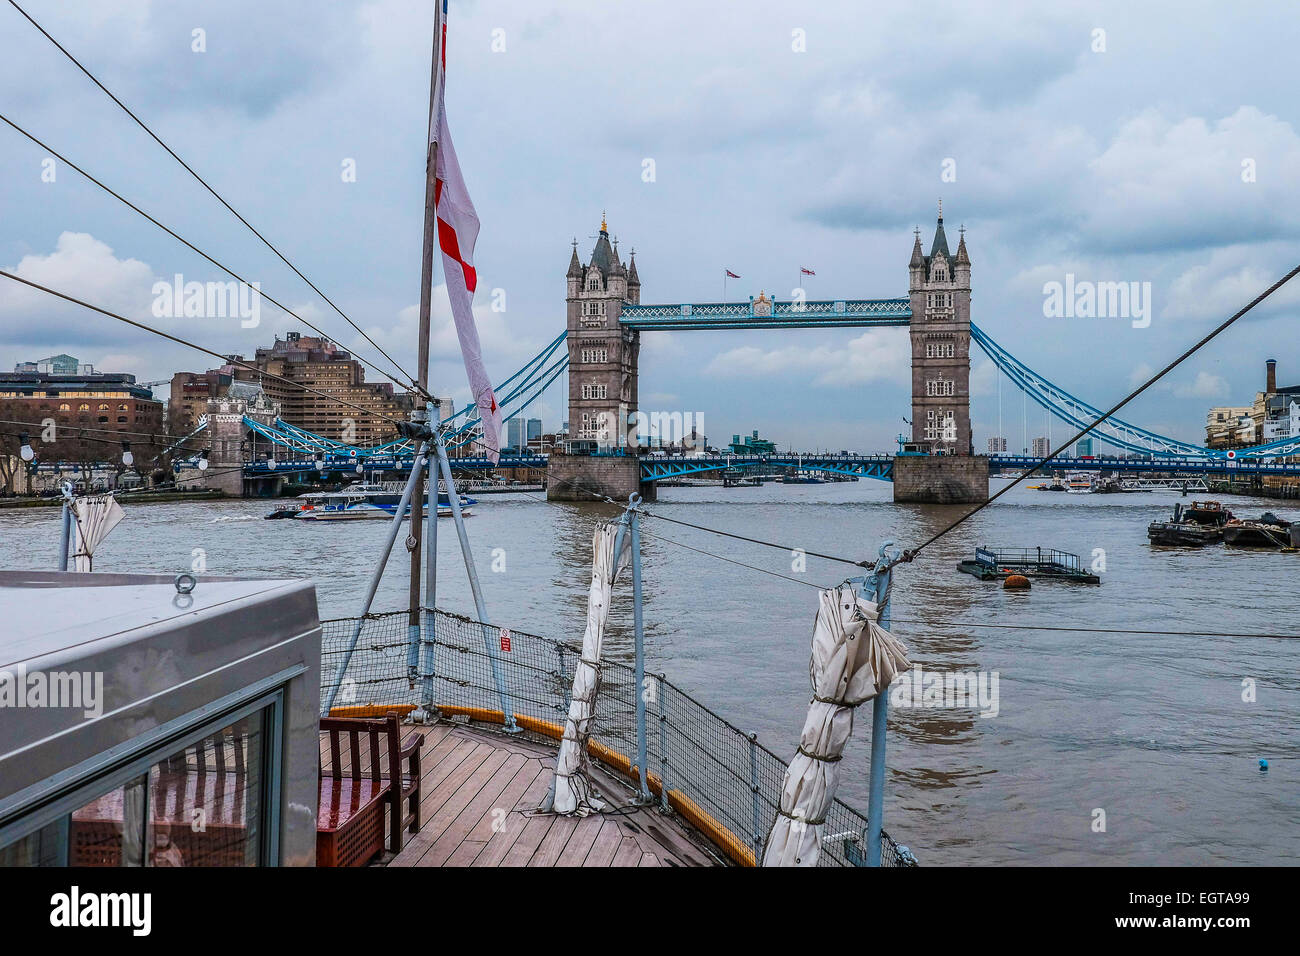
x,y
998,563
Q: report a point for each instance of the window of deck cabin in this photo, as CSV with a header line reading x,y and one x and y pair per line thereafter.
x,y
203,804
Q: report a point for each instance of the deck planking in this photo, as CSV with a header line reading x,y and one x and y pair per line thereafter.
x,y
479,790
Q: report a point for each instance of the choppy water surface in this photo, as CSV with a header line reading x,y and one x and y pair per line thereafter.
x,y
1152,730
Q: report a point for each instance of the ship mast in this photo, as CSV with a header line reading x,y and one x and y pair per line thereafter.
x,y
422,364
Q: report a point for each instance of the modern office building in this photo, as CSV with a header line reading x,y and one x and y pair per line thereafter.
x,y
752,445
516,436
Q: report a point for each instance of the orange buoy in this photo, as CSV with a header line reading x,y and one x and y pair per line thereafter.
x,y
1015,582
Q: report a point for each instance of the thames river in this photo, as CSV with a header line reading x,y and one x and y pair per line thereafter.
x,y
1151,730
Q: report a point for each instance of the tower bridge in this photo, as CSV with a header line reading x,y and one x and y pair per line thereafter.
x,y
605,319
600,347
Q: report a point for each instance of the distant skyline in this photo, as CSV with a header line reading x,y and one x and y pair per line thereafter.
x,y
1161,150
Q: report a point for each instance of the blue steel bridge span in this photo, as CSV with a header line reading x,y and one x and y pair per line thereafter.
x,y
1151,452
880,467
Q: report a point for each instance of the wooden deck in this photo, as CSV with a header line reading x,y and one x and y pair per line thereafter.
x,y
477,796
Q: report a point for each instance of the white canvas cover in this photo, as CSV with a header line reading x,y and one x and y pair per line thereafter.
x,y
853,660
94,517
573,790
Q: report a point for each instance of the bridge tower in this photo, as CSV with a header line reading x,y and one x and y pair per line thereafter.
x,y
939,286
602,376
602,354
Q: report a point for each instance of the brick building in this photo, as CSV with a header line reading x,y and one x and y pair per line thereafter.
x,y
191,392
84,404
321,365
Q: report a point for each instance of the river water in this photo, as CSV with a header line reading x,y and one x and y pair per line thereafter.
x,y
1151,730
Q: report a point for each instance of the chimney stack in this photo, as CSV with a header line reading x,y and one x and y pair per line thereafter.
x,y
1270,376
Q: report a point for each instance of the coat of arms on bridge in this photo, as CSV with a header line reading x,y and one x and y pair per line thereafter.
x,y
762,305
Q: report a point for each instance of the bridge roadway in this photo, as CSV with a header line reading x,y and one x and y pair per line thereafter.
x,y
657,467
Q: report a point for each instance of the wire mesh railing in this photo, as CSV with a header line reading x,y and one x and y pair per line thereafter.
x,y
722,780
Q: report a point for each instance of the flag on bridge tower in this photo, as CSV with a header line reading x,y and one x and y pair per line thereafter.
x,y
731,274
805,271
457,233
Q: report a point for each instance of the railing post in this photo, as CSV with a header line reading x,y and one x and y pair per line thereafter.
x,y
643,796
663,744
65,533
879,725
754,790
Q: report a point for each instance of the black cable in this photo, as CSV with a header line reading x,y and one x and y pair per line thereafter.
x,y
909,555
725,534
766,544
37,426
102,441
205,185
751,567
408,383
196,347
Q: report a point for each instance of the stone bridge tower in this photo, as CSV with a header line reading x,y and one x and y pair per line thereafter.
x,y
602,354
602,377
939,287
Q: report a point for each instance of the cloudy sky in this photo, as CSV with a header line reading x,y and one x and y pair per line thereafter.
x,y
1112,141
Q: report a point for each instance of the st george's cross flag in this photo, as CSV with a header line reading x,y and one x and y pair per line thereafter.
x,y
457,232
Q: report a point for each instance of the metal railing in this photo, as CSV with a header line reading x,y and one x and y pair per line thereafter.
x,y
722,780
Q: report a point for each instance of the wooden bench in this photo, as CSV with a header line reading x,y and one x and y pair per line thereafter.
x,y
353,793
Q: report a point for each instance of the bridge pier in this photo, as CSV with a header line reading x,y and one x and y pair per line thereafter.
x,y
941,479
595,477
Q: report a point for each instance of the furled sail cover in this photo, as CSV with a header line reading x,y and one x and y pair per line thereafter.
x,y
573,789
853,660
95,518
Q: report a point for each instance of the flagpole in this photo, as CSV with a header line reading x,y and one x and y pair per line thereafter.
x,y
426,303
